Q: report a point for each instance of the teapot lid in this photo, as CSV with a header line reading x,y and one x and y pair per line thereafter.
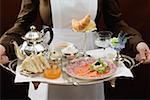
x,y
33,34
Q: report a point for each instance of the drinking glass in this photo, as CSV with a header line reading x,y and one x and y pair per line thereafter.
x,y
103,39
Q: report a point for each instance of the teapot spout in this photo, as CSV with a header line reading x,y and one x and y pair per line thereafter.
x,y
18,52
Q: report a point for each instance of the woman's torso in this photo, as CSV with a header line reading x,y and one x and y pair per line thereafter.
x,y
46,13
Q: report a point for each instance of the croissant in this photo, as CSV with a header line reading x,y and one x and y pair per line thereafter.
x,y
85,21
85,24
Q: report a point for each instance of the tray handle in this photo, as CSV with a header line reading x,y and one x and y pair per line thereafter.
x,y
131,61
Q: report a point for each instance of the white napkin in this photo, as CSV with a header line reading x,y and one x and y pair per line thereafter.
x,y
107,53
122,70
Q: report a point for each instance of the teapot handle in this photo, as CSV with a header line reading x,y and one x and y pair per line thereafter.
x,y
48,29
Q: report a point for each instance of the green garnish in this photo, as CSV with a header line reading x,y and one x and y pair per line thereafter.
x,y
100,66
114,41
101,70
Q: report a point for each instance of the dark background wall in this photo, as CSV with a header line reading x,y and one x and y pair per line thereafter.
x,y
8,13
136,14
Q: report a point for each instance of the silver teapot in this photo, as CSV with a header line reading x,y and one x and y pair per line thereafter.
x,y
34,42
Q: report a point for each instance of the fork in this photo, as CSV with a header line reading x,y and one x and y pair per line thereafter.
x,y
68,78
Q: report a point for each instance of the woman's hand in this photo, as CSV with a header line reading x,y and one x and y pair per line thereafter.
x,y
144,53
3,58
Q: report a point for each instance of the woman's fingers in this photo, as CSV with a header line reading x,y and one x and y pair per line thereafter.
x,y
145,56
4,59
2,51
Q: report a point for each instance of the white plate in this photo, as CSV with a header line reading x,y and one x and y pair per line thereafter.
x,y
70,69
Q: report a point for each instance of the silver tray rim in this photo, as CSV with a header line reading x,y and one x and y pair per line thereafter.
x,y
74,81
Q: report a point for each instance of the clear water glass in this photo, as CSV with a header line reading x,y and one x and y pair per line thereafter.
x,y
103,39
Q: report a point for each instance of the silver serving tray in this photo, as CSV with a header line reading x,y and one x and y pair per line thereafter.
x,y
67,79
